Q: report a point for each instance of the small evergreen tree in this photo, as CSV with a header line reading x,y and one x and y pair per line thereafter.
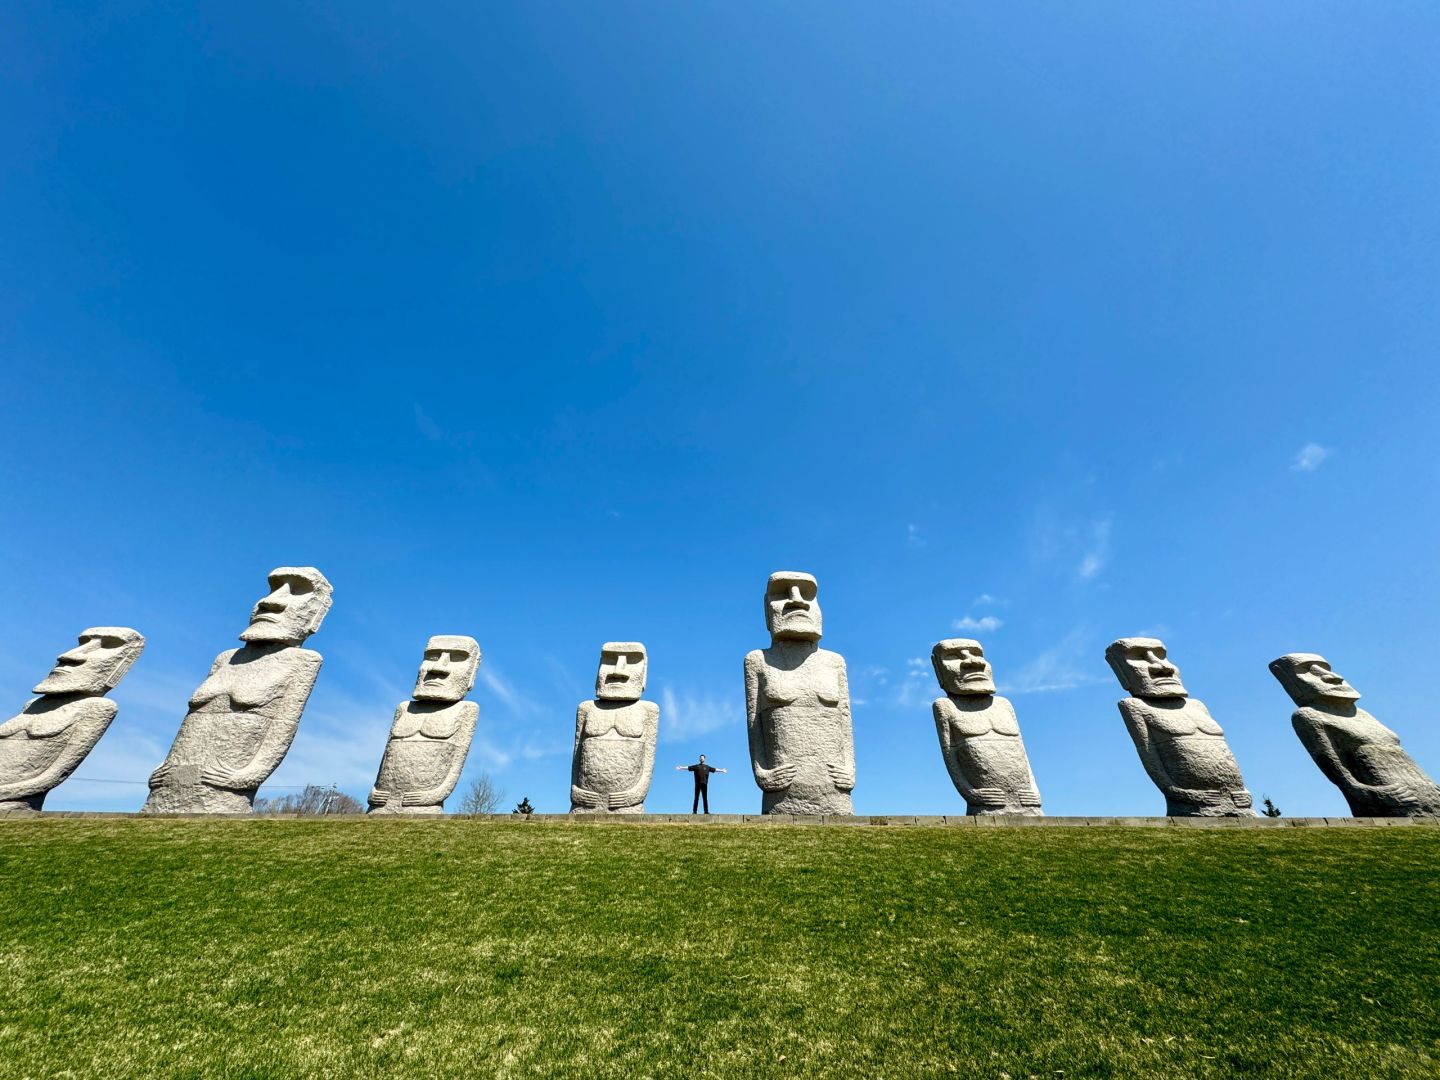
x,y
1271,810
524,807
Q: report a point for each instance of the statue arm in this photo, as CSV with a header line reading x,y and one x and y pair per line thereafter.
x,y
379,796
752,716
635,794
947,751
162,771
779,776
580,796
843,773
459,749
1150,758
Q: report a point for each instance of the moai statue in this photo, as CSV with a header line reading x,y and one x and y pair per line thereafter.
x,y
431,734
243,717
979,735
41,747
797,708
1182,747
1357,753
614,755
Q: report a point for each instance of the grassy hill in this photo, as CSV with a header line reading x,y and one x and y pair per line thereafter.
x,y
267,948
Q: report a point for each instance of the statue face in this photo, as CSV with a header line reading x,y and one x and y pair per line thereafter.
x,y
1143,668
1309,679
299,598
792,612
448,671
961,667
97,664
623,667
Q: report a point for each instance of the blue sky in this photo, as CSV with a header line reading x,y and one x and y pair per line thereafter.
x,y
555,324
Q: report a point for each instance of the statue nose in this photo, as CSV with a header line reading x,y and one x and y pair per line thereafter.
x,y
620,664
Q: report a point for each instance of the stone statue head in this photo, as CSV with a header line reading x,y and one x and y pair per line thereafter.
x,y
97,664
961,667
792,613
623,667
1308,679
299,598
1141,665
448,670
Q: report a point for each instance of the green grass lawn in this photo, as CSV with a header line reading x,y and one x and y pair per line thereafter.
x,y
270,948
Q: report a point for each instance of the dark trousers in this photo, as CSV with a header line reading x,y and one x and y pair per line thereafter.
x,y
702,791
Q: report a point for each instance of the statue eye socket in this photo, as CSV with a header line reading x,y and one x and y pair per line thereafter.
x,y
458,656
106,642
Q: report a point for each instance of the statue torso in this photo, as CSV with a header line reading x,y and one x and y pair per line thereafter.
x,y
48,727
985,739
611,745
1190,745
426,738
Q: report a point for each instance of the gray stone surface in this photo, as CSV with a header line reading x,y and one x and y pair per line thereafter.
x,y
1357,753
797,707
243,717
53,733
979,734
1180,744
431,734
614,752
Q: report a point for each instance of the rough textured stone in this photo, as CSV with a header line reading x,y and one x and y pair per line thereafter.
x,y
1357,753
53,733
797,708
979,735
431,734
1181,746
614,753
243,717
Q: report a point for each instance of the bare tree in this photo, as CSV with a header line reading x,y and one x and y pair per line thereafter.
x,y
482,796
314,801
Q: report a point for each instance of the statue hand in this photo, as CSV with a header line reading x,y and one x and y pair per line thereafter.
x,y
841,777
584,796
221,777
415,798
777,779
1030,798
620,799
160,775
1242,799
988,796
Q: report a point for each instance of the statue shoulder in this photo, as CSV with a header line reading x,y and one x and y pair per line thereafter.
x,y
942,708
650,709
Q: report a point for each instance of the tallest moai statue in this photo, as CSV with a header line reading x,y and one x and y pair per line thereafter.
x,y
797,708
243,717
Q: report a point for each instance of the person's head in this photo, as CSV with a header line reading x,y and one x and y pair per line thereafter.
x,y
1143,668
961,667
447,671
622,671
96,664
294,609
702,759
792,612
1309,680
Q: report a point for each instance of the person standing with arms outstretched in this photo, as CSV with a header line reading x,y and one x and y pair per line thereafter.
x,y
702,782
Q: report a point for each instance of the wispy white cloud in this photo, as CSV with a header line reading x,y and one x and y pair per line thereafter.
x,y
913,538
1097,551
516,702
687,715
428,427
984,624
1069,663
1310,457
985,600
